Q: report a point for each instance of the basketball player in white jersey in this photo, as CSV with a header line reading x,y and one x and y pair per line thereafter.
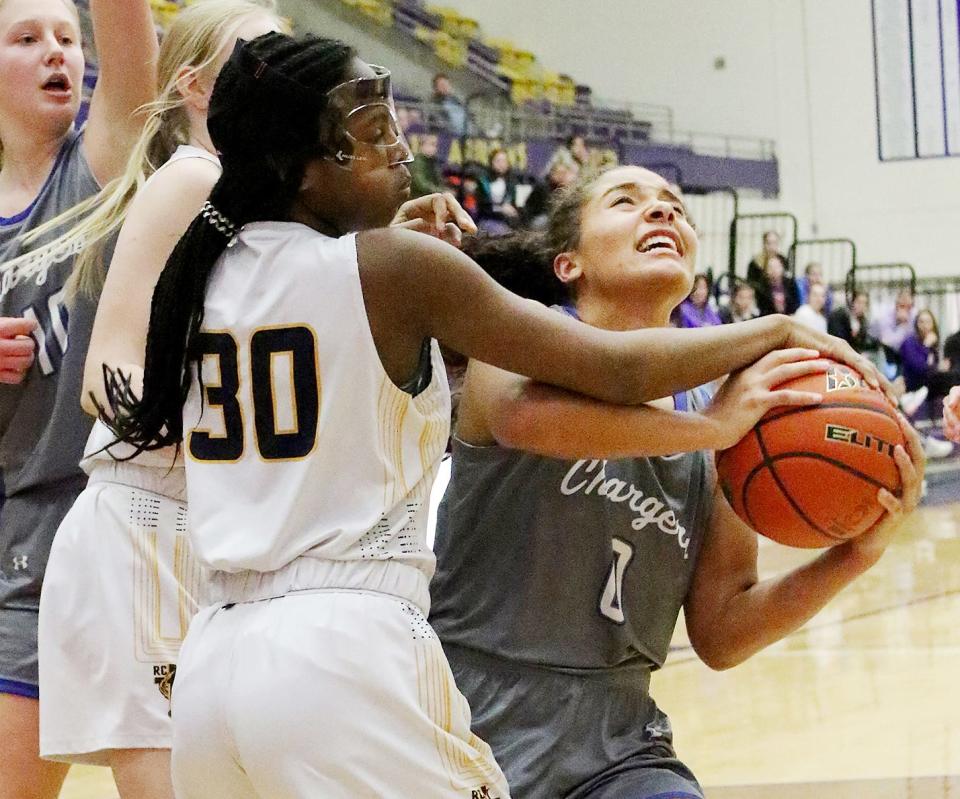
x,y
106,692
296,363
121,583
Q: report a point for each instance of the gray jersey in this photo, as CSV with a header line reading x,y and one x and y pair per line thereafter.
x,y
42,427
568,577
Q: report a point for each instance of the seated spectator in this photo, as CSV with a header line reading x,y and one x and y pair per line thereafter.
x,y
452,106
925,375
811,312
501,189
771,247
947,378
425,173
473,197
919,352
850,324
696,311
561,171
776,290
743,304
813,275
892,325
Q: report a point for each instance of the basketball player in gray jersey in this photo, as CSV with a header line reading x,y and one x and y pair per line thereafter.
x,y
565,555
46,167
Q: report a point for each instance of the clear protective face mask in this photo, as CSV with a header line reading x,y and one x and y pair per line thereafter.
x,y
363,123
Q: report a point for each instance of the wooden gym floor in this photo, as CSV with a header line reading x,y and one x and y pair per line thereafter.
x,y
862,703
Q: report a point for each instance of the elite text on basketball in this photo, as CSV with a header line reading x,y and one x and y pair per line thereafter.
x,y
847,435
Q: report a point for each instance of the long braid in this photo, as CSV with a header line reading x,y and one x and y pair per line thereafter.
x,y
265,117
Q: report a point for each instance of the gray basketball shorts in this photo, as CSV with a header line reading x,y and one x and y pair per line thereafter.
x,y
28,523
560,734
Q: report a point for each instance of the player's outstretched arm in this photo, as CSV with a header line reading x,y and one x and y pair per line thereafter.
x,y
518,413
127,59
731,615
418,286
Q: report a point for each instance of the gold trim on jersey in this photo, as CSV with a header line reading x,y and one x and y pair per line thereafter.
x,y
392,406
431,409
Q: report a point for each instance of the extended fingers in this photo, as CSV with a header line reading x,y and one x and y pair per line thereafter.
x,y
774,399
461,218
419,225
911,478
449,233
890,503
793,370
789,355
913,444
452,235
441,213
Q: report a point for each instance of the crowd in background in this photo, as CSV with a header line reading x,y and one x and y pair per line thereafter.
x,y
903,340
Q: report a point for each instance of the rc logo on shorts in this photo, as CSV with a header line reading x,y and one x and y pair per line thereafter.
x,y
163,678
483,792
20,563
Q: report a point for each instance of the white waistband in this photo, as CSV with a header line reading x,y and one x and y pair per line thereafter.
x,y
305,573
169,482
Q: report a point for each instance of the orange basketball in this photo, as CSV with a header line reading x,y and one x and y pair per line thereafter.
x,y
809,476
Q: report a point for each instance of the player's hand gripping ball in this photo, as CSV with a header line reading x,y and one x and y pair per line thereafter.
x,y
809,476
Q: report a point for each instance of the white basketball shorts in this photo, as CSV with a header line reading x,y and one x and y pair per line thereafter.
x,y
339,694
119,593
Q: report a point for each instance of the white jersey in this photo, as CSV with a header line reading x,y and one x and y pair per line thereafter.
x,y
303,448
102,444
120,634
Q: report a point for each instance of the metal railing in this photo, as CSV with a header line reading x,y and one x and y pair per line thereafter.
x,y
837,258
496,117
712,213
752,227
874,278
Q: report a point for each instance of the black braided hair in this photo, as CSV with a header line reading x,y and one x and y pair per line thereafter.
x,y
265,120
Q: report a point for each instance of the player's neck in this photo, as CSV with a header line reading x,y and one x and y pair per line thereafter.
x,y
622,314
26,165
300,212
